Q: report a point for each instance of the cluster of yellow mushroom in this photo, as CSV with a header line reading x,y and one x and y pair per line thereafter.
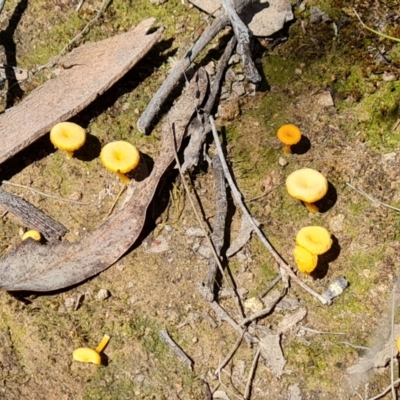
x,y
88,355
120,157
311,241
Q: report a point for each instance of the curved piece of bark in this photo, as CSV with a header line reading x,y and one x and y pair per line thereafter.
x,y
42,268
87,72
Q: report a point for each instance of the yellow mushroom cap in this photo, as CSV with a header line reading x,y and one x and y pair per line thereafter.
x,y
84,354
120,156
307,184
316,239
67,136
289,134
305,261
398,344
35,235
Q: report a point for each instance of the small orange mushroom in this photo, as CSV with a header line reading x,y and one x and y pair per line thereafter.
x,y
289,135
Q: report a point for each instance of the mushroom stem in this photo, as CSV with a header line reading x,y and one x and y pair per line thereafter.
x,y
69,154
311,207
124,178
102,344
287,149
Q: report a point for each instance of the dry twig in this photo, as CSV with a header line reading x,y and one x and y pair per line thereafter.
x,y
230,354
164,335
238,197
242,34
45,194
52,62
177,72
372,198
247,392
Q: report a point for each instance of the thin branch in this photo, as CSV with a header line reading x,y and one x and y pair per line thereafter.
x,y
242,34
374,31
222,315
387,390
270,287
177,72
352,345
321,332
230,354
44,194
247,392
52,62
238,197
166,338
392,347
207,235
372,198
218,233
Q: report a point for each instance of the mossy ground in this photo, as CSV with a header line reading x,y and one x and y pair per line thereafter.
x,y
355,141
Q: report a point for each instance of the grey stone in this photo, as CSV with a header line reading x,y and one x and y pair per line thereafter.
x,y
264,18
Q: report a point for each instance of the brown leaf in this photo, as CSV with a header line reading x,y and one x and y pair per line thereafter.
x,y
35,267
88,71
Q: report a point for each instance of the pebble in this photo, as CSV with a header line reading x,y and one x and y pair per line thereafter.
x,y
336,223
103,294
282,162
254,304
195,231
238,89
69,302
205,251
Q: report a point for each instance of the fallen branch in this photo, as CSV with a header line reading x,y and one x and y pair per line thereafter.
x,y
238,197
199,127
32,216
242,34
222,315
217,237
179,69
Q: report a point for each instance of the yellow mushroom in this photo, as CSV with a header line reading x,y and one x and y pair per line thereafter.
x,y
306,262
289,135
120,157
316,239
88,355
307,185
67,136
34,234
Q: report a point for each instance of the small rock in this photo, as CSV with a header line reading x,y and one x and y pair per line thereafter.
x,y
235,59
336,223
317,16
282,162
238,89
158,245
298,71
205,251
254,304
103,294
195,231
210,68
388,77
69,302
76,196
325,99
